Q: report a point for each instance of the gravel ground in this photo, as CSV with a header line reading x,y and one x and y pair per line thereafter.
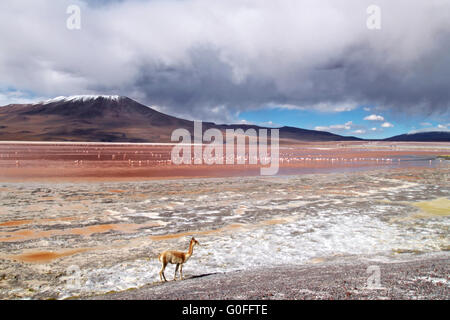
x,y
423,278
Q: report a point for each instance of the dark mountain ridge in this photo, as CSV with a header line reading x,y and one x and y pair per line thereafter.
x,y
430,136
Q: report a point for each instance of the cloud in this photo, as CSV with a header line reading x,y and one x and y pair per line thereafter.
x,y
387,125
325,107
349,125
439,127
269,124
374,117
347,128
213,58
245,122
322,128
16,97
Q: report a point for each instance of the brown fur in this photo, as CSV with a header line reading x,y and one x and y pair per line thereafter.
x,y
176,257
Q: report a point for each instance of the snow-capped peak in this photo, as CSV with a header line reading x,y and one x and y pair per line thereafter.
x,y
80,98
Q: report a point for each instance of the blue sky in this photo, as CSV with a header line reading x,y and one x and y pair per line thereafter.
x,y
351,123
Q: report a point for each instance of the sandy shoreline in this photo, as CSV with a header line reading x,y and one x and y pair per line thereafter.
x,y
421,277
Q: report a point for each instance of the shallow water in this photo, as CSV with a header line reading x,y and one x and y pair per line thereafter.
x,y
368,164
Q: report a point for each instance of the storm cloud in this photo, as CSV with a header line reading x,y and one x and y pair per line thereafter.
x,y
212,59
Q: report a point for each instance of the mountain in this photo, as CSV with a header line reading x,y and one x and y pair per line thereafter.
x,y
87,118
112,119
432,136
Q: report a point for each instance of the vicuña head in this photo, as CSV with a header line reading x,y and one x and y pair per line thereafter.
x,y
176,257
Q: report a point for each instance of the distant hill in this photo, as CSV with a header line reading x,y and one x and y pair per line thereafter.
x,y
113,119
432,136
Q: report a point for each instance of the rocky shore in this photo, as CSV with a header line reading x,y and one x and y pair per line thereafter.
x,y
420,277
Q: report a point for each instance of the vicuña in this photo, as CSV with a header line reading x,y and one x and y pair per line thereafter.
x,y
176,257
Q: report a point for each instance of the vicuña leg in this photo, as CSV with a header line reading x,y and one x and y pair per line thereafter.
x,y
161,273
176,269
181,272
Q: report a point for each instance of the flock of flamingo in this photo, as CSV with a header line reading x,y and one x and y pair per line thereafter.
x,y
163,158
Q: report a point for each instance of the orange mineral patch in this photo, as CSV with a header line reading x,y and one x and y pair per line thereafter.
x,y
45,256
139,196
117,191
23,235
122,227
15,223
60,219
47,198
273,221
